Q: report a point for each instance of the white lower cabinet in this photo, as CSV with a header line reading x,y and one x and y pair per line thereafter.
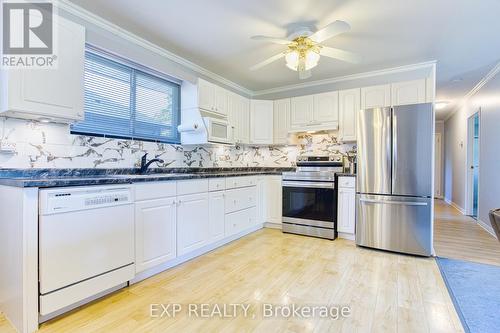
x,y
216,215
240,220
273,194
155,232
192,224
346,216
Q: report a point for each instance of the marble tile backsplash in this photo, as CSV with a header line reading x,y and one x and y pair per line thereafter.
x,y
40,145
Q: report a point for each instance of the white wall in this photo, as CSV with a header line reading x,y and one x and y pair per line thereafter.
x,y
487,99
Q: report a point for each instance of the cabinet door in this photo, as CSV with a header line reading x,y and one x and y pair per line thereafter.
x,y
233,115
206,95
326,108
408,92
216,215
349,105
376,96
261,122
274,200
301,111
53,93
346,210
192,222
155,232
281,120
221,100
244,122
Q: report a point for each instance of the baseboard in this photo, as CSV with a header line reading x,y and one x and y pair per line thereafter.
x,y
454,205
487,227
272,225
188,256
347,236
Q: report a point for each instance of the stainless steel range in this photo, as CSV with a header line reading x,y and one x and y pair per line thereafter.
x,y
309,197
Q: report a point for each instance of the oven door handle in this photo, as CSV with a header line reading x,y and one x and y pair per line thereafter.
x,y
308,184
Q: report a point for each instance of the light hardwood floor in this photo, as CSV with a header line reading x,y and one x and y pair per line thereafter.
x,y
459,237
386,292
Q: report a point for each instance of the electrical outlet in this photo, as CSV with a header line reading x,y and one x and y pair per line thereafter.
x,y
7,147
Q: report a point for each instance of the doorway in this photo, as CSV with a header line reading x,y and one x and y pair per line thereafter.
x,y
473,139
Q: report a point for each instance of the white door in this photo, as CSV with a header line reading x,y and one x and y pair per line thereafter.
x,y
206,95
376,96
233,115
221,100
244,120
281,120
346,210
301,111
53,93
261,122
192,222
438,168
274,195
155,232
216,215
408,92
349,105
326,108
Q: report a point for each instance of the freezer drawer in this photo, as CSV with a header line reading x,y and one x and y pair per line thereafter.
x,y
400,224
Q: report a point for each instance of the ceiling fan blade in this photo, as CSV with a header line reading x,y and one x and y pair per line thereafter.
x,y
340,54
267,61
275,40
331,30
305,74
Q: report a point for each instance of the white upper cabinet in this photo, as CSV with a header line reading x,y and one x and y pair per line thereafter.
x,y
301,111
239,117
55,94
212,97
281,120
261,121
349,105
326,109
408,92
375,96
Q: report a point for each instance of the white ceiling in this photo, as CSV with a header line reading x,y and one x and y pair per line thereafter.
x,y
462,35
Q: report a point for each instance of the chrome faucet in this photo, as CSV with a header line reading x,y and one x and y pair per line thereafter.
x,y
145,164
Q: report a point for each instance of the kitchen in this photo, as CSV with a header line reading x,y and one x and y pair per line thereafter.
x,y
153,182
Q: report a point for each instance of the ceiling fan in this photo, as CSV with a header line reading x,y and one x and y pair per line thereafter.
x,y
304,48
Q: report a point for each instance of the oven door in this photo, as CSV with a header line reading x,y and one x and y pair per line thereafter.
x,y
309,203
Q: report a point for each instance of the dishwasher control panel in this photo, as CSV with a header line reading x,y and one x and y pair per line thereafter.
x,y
53,201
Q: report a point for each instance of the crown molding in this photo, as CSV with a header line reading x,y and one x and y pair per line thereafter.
x,y
120,32
487,78
394,70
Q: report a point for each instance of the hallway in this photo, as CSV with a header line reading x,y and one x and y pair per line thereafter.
x,y
458,237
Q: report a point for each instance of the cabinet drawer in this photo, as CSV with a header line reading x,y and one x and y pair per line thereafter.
x,y
349,182
192,186
240,220
235,182
242,198
216,184
155,190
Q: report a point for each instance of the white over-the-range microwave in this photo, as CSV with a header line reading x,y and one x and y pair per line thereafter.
x,y
218,130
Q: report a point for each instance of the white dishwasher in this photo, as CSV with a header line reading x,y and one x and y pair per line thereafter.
x,y
86,243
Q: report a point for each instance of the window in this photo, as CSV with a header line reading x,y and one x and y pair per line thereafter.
x,y
124,101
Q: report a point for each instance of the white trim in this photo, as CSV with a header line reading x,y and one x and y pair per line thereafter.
x,y
347,236
394,70
272,225
486,227
490,75
454,205
120,32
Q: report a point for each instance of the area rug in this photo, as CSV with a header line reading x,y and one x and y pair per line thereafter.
x,y
475,290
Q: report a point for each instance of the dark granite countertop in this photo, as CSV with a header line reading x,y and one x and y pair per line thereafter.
x,y
83,177
345,174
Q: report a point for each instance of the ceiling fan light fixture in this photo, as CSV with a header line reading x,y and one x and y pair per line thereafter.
x,y
292,60
311,59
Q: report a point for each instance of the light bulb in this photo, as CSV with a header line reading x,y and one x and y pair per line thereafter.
x,y
312,59
292,60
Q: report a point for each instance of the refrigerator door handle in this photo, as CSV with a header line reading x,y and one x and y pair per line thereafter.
x,y
405,203
394,150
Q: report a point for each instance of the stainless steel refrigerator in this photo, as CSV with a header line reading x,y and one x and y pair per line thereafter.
x,y
394,179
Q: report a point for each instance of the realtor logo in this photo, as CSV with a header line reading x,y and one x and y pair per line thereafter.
x,y
28,35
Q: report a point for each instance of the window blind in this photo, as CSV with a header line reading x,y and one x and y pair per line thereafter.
x,y
124,102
